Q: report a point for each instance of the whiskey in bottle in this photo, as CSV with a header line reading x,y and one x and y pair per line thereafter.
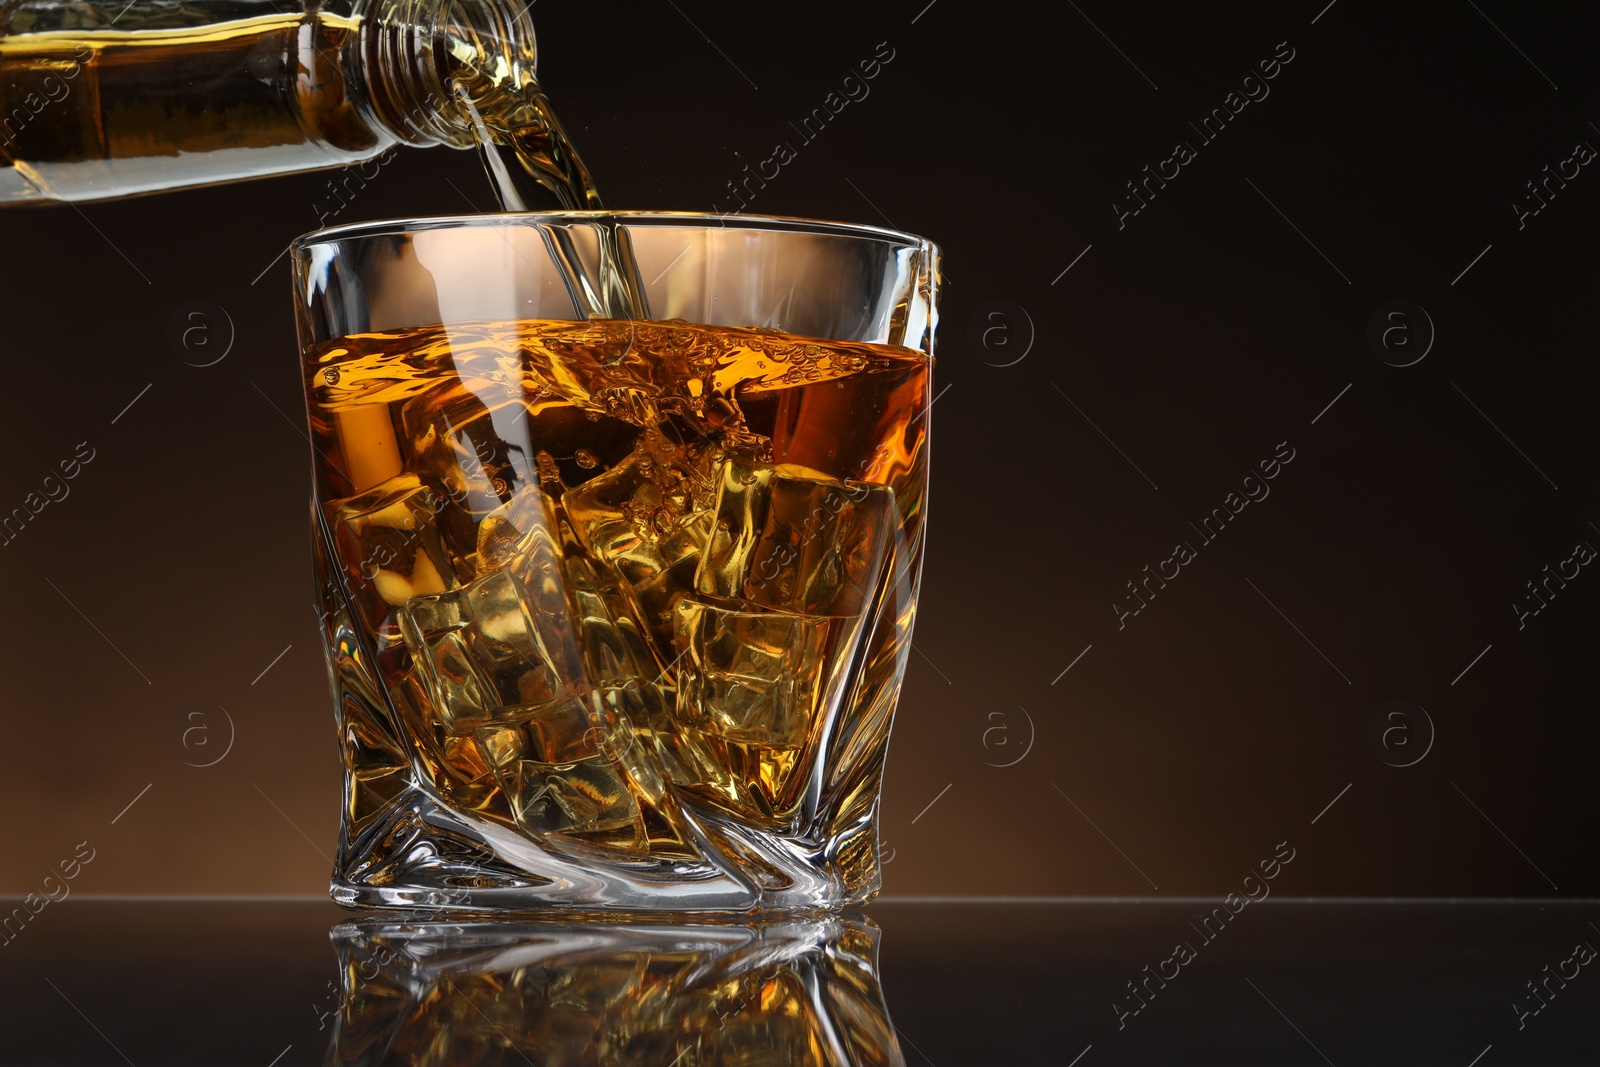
x,y
102,99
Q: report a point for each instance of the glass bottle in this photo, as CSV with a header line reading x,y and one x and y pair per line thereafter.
x,y
101,99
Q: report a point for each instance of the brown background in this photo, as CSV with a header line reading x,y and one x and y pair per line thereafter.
x,y
1196,339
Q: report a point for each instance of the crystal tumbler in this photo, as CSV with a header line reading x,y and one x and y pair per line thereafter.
x,y
618,524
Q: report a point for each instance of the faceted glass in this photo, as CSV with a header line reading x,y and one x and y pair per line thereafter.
x,y
618,524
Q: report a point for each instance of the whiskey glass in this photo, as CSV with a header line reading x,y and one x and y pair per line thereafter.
x,y
617,523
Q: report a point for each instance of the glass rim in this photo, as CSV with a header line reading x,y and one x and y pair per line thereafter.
x,y
772,223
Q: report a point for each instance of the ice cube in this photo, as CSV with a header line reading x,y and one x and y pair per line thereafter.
x,y
521,636
389,545
796,540
750,686
500,641
627,515
630,718
751,677
632,713
523,526
459,693
455,765
560,731
559,780
658,597
642,518
615,652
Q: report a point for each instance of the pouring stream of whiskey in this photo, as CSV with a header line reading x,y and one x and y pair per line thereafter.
x,y
529,158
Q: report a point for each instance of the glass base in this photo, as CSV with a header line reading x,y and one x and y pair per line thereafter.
x,y
420,855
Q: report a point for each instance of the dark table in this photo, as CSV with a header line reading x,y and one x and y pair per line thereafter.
x,y
262,982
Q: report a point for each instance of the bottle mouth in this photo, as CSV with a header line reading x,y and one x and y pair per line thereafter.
x,y
419,57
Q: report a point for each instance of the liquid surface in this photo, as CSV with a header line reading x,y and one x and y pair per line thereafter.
x,y
596,554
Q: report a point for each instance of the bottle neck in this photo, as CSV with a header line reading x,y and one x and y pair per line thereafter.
x,y
414,59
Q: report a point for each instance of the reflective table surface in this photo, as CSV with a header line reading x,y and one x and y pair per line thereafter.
x,y
272,983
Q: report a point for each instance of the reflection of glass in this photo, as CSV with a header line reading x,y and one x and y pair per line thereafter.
x,y
689,995
618,528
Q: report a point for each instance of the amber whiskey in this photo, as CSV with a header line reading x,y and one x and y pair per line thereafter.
x,y
589,550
